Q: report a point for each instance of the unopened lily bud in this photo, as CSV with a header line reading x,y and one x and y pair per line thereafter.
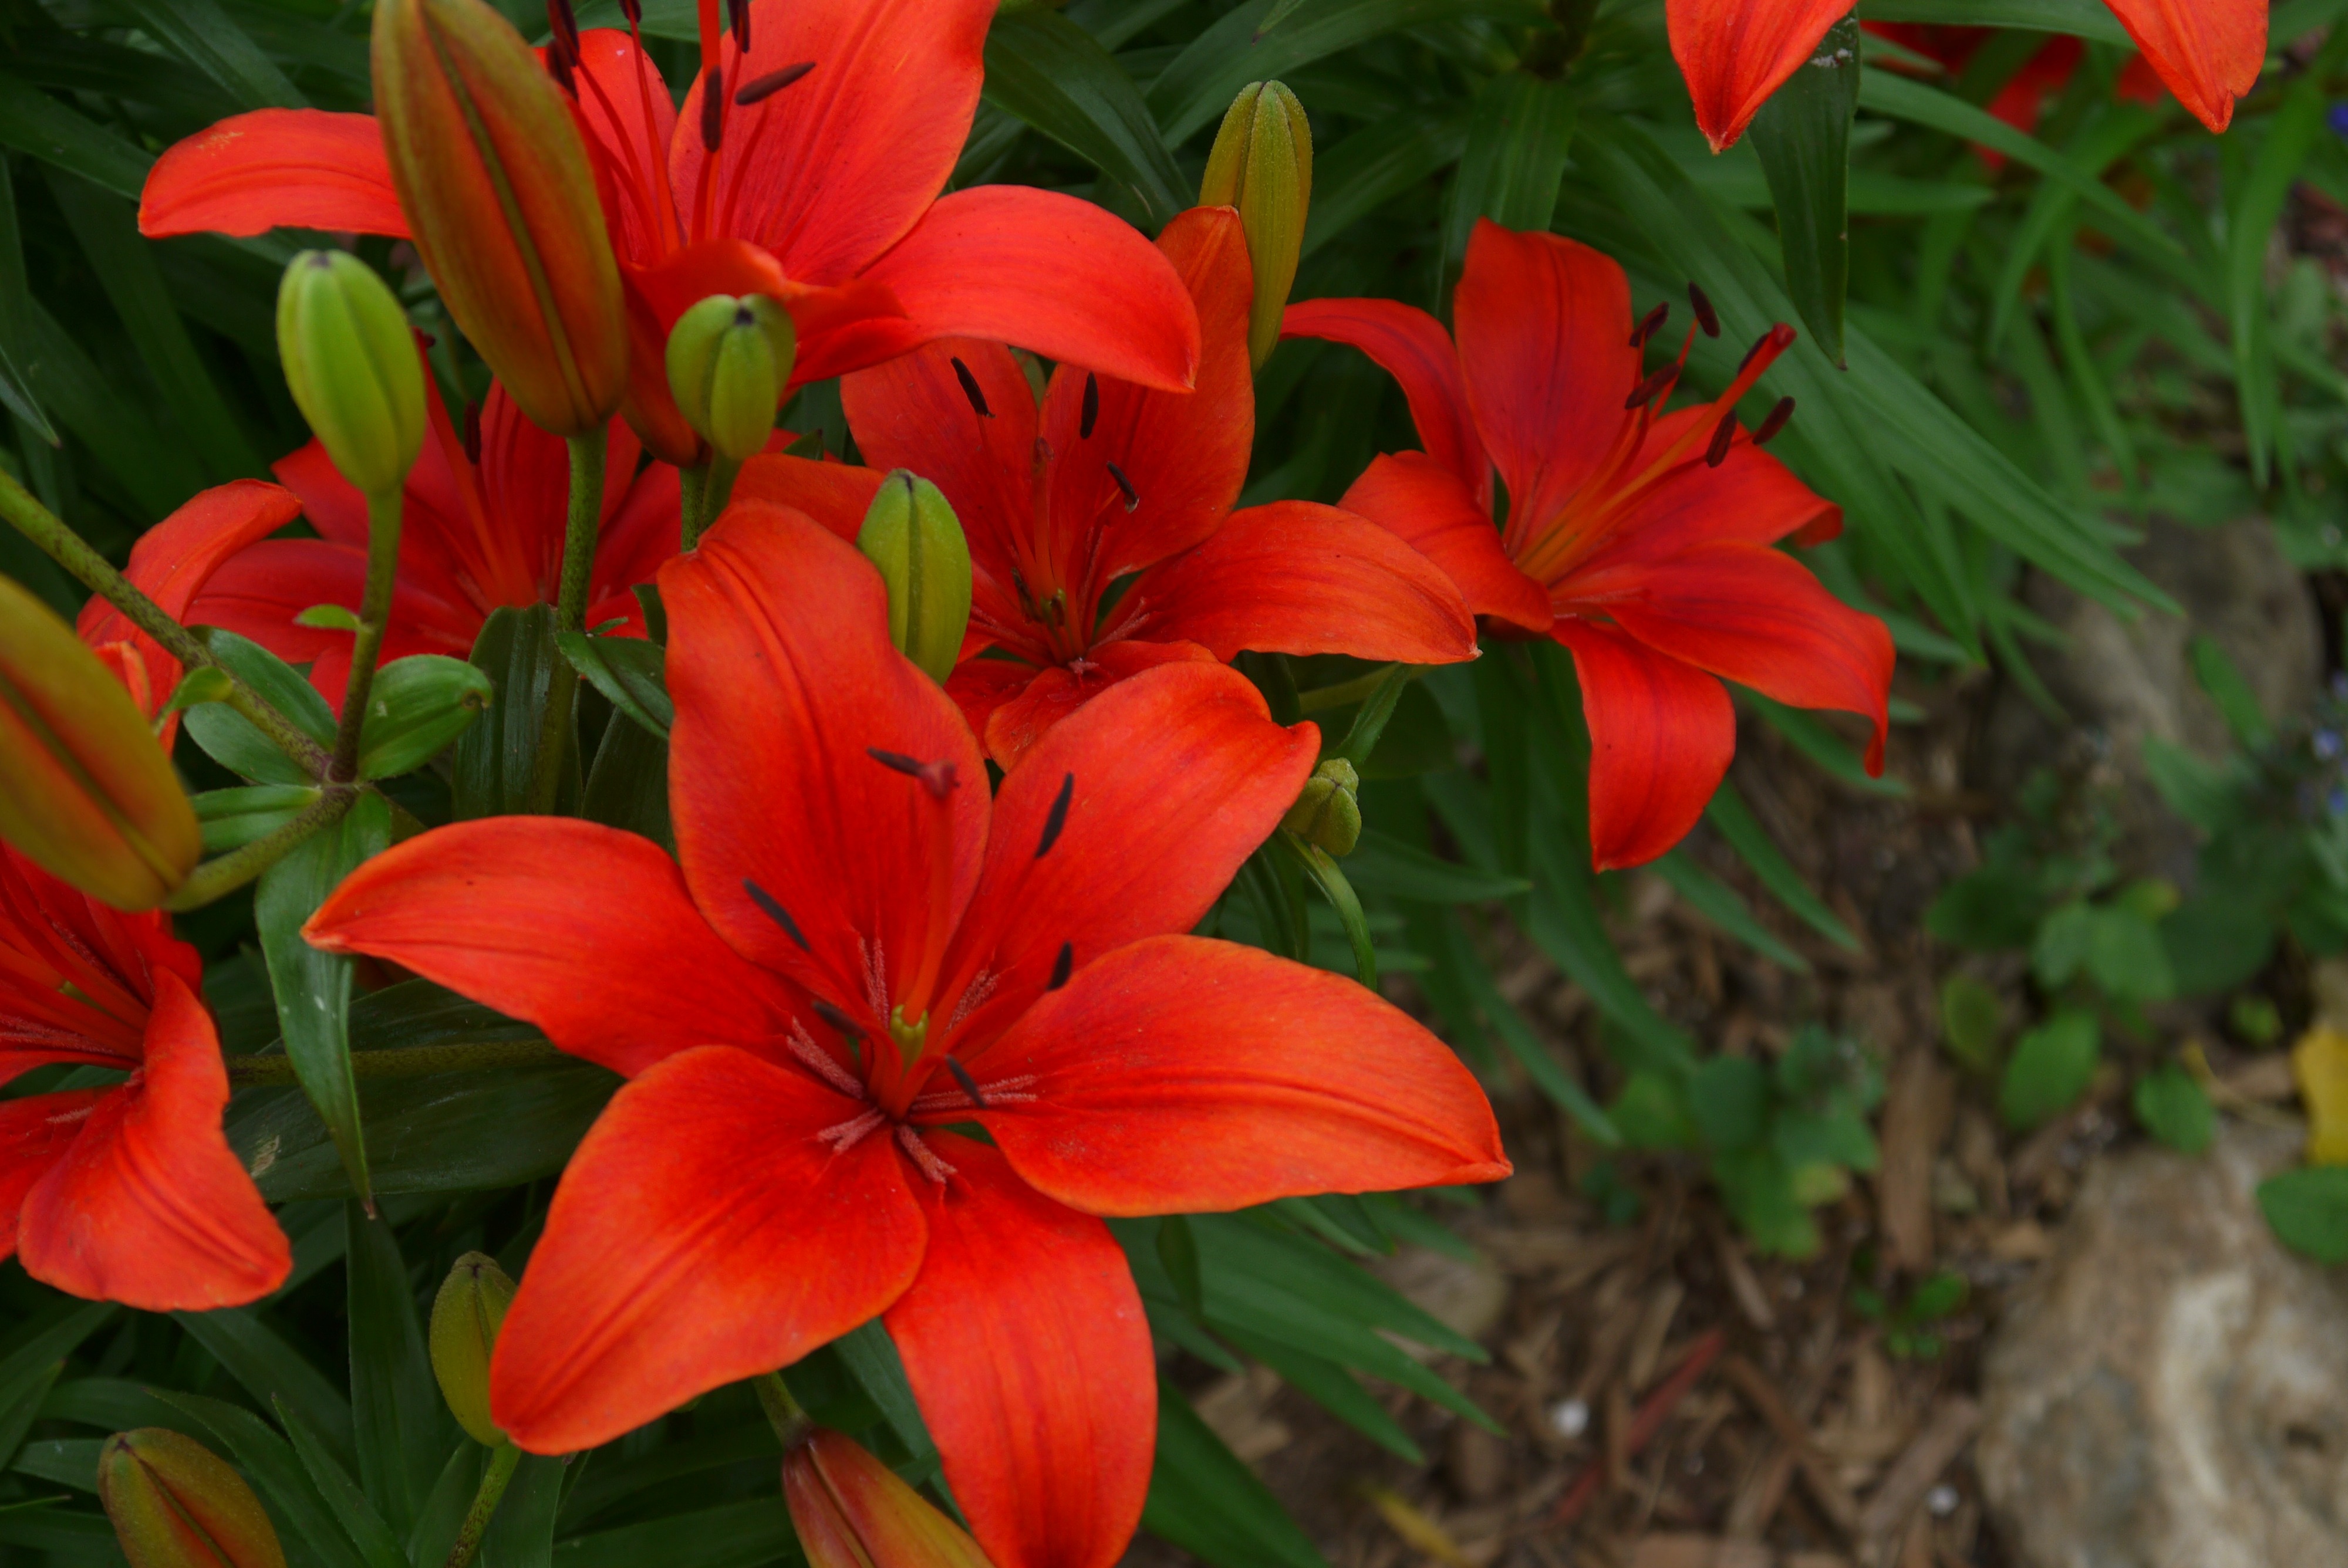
x,y
912,534
502,203
176,1504
350,363
1328,815
729,360
465,1318
1262,165
853,1512
86,792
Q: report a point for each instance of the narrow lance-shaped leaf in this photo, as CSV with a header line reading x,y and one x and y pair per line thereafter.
x,y
1803,135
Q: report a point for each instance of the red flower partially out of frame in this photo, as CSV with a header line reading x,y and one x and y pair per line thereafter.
x,y
1108,479
1639,540
806,164
854,951
126,1192
2023,98
1735,52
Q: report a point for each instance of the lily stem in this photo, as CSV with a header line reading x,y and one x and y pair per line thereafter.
x,y
502,1459
375,616
578,540
791,1423
219,877
96,573
407,1062
691,483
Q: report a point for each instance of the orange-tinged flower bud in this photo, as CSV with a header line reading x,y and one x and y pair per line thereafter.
x,y
465,1318
85,790
176,1504
851,1512
502,200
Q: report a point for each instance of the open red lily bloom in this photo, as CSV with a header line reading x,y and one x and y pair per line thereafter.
x,y
128,1191
1639,540
2045,74
1107,479
482,528
807,164
1735,52
856,950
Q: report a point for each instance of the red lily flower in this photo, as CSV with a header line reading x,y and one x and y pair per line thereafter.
x,y
1123,479
1735,52
2023,98
125,1193
835,130
855,950
482,528
1639,540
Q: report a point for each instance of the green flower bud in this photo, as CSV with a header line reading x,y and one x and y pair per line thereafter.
x,y
1328,814
351,365
176,1504
729,362
465,1318
1262,165
914,537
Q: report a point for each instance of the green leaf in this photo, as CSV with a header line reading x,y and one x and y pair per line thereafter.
x,y
496,758
1520,133
630,671
2237,704
521,1533
1735,822
1375,713
1383,864
32,121
233,819
157,474
871,1359
351,1508
231,739
256,1356
2086,18
1973,1021
2175,1109
1378,164
1177,1249
1762,1192
199,32
1203,1500
2062,944
402,1429
1728,1100
416,706
1049,73
628,785
1803,137
1332,1388
314,988
20,1406
738,1535
300,1512
2125,957
1812,738
1719,902
2308,1211
2051,1067
17,319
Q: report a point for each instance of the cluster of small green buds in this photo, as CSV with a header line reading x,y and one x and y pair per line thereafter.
x,y
912,534
351,365
1328,813
86,792
174,1503
1262,165
465,1318
853,1512
729,363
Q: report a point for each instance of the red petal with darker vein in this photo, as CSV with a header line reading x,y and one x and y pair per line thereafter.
x,y
1183,1075
835,168
149,1206
1413,495
630,121
1411,346
1050,273
35,1133
785,682
584,930
1662,734
259,591
1177,774
836,495
1757,616
1751,497
1544,326
1297,578
979,686
274,168
705,1232
2209,52
1735,52
1027,1345
1057,690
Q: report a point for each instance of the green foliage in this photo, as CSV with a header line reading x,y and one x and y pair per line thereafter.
x,y
1909,1327
2308,1211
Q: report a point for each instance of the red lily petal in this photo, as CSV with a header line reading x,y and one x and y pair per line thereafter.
x,y
1185,1075
150,1207
1662,734
1751,497
35,1133
642,528
1297,578
1411,346
173,561
1016,725
1413,495
979,686
258,592
274,168
329,503
1544,327
584,930
1027,1345
1144,846
1755,616
785,682
2209,52
832,170
836,495
1050,273
1735,52
630,122
704,1232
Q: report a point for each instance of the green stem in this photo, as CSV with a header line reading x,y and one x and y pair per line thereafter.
x,y
791,1423
407,1062
690,485
580,537
1344,694
375,616
502,1459
219,877
94,572
723,471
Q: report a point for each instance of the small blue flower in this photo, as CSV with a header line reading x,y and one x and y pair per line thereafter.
x,y
2327,745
